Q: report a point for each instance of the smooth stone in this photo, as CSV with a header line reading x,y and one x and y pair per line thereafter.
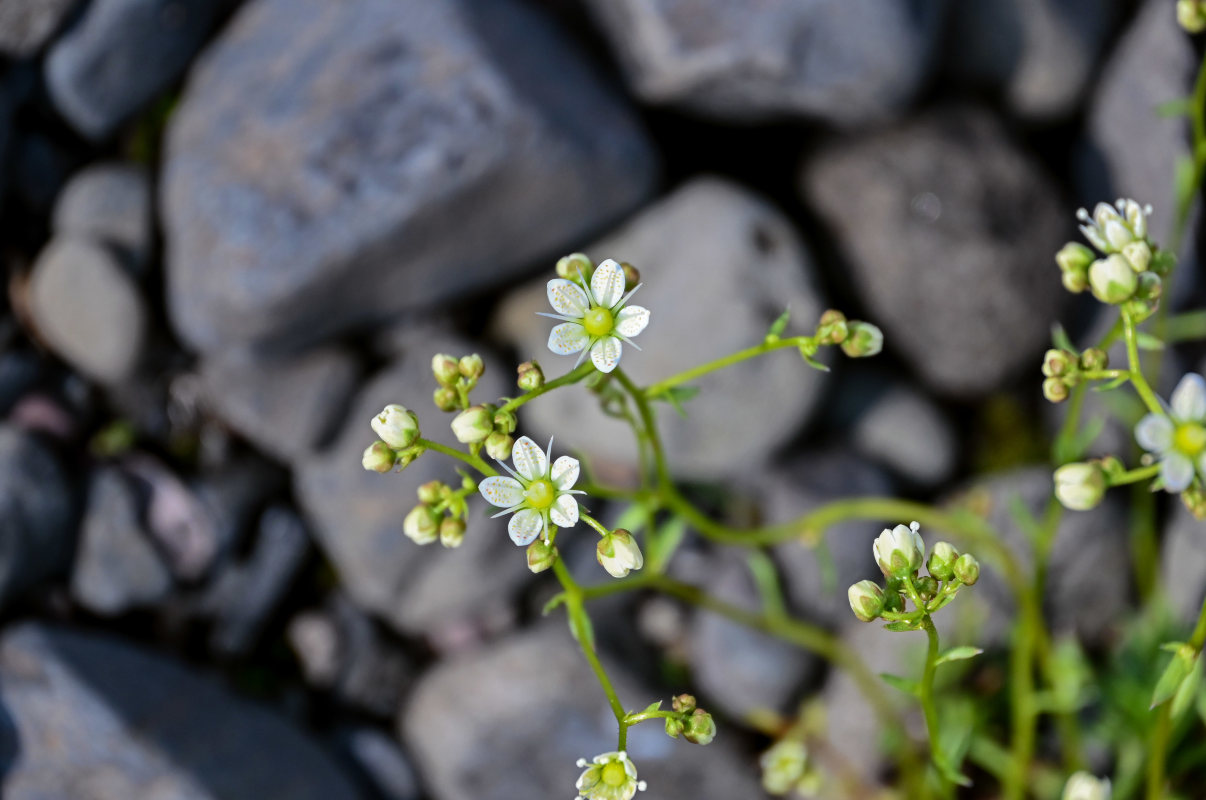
x,y
26,26
110,203
383,763
906,432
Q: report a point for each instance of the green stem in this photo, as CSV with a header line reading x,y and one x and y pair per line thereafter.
x,y
927,693
644,716
474,461
573,376
599,527
1134,475
727,361
1132,356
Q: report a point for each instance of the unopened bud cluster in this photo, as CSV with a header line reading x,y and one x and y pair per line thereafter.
x,y
1131,268
690,722
900,554
489,425
1063,370
398,445
440,514
857,339
456,378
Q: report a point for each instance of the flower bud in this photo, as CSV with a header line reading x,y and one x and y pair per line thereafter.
x,y
618,553
927,588
632,276
862,339
942,561
1057,363
1115,230
541,555
674,727
1083,786
504,421
473,424
783,766
683,703
1080,486
1138,254
832,328
899,551
1150,287
396,426
431,492
575,267
1074,257
1191,14
1162,262
1112,280
894,601
866,600
446,370
1140,310
1055,390
379,457
967,569
452,532
422,525
472,367
1194,499
700,728
1094,359
531,376
498,446
1075,282
446,399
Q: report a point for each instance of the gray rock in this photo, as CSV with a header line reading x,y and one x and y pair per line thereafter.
x,y
410,152
949,231
96,719
233,495
245,595
1133,151
738,670
287,407
109,203
1040,54
844,61
315,641
27,25
357,515
41,167
181,524
905,431
384,764
510,721
88,309
718,265
1183,563
38,511
116,565
122,53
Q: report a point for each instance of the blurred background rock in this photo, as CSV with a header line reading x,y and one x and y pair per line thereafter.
x,y
234,230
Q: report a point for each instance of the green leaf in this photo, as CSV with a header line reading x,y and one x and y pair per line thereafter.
x,y
1114,384
580,625
1177,107
959,654
778,326
1183,662
662,545
676,396
901,625
552,604
1059,337
909,687
655,706
1184,182
958,716
1148,342
1188,690
812,362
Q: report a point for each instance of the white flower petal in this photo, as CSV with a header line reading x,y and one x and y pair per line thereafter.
x,y
529,459
607,284
1189,399
568,338
568,298
632,320
605,353
525,526
501,491
564,511
1177,472
1154,433
564,473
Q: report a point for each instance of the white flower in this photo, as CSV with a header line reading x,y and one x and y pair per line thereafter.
x,y
1111,228
1178,437
596,319
396,426
536,493
1083,786
899,551
610,776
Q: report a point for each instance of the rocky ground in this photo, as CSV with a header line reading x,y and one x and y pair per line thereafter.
x,y
233,231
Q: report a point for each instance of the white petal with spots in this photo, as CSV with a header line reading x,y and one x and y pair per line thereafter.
x,y
564,511
607,284
568,298
632,320
525,526
529,459
1189,399
605,353
1177,472
564,473
567,338
1154,433
501,491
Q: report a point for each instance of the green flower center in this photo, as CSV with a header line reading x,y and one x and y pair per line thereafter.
x,y
598,321
614,774
540,494
1190,439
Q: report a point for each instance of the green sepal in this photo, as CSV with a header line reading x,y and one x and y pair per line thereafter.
x,y
1183,661
812,362
777,327
654,706
961,653
676,396
906,685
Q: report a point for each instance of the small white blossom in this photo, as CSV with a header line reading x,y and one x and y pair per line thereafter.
x,y
619,554
610,776
1080,486
596,318
900,550
1083,786
1111,228
1179,437
536,494
396,426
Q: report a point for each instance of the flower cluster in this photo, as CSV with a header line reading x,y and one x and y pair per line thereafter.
x,y
440,514
1063,370
900,554
456,378
399,432
609,776
1131,268
690,722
